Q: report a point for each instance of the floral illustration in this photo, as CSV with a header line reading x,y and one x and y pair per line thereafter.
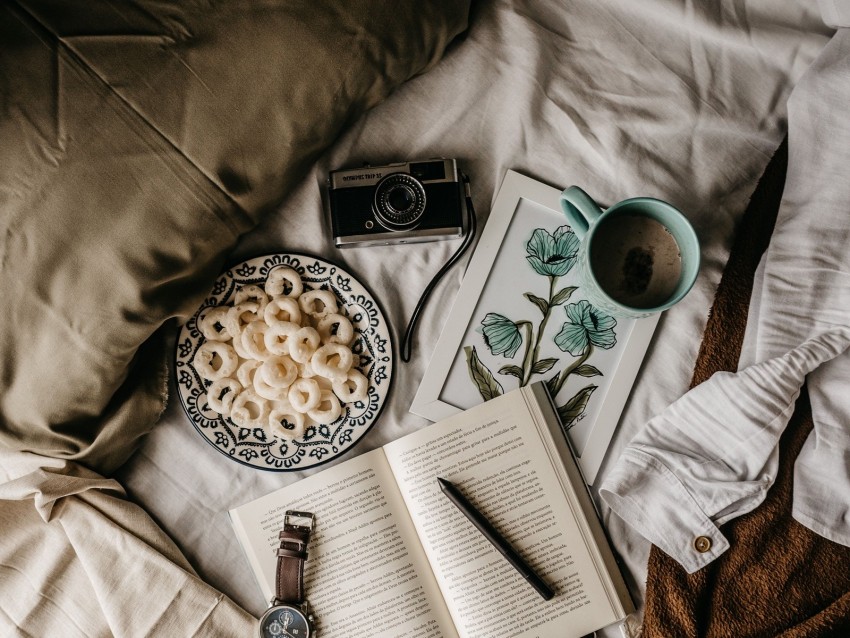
x,y
584,328
553,255
586,325
501,335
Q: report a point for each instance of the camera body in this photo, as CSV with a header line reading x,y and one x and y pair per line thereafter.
x,y
399,203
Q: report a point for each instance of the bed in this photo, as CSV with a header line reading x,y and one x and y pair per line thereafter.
x,y
115,521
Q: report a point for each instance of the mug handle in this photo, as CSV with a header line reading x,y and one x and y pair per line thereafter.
x,y
580,209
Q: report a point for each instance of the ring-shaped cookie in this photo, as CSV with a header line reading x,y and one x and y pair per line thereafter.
x,y
286,423
282,309
221,394
324,383
268,391
355,387
332,360
251,293
241,315
277,337
249,410
328,409
303,343
305,370
237,346
318,303
215,360
277,280
213,324
254,341
246,371
335,328
279,372
304,395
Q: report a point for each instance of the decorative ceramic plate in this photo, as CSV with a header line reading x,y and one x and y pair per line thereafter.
x,y
258,447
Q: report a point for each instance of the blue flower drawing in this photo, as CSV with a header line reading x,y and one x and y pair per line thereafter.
x,y
585,325
501,335
552,254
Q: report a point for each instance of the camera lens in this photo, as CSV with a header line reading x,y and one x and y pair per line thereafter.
x,y
399,201
401,198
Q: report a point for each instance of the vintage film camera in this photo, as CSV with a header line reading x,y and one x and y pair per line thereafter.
x,y
396,204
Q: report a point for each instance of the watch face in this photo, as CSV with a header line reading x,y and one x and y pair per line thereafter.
x,y
284,621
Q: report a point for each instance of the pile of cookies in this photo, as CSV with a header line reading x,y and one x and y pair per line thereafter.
x,y
279,357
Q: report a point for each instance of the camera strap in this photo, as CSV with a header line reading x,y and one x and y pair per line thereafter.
x,y
471,223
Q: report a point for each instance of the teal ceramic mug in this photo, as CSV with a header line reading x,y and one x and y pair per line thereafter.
x,y
638,257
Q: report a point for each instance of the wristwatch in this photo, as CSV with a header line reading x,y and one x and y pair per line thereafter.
x,y
289,615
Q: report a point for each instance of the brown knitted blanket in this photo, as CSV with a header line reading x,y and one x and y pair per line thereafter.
x,y
778,578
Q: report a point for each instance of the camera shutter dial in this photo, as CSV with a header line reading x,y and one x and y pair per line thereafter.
x,y
399,201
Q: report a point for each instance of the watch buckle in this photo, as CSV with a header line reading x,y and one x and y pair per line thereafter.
x,y
299,520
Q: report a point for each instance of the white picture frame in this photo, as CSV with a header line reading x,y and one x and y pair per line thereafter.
x,y
500,255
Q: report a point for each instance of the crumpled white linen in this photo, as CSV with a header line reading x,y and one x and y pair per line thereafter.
x,y
86,562
668,99
712,455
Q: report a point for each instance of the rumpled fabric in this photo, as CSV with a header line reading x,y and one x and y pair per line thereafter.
x,y
80,559
668,98
778,578
139,142
712,455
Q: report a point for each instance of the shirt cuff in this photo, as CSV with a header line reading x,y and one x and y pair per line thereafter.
x,y
650,498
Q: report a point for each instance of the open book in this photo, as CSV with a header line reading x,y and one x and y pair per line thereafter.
x,y
391,556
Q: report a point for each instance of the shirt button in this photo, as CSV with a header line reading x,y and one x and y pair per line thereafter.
x,y
702,544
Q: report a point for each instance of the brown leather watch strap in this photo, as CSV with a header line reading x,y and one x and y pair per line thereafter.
x,y
289,581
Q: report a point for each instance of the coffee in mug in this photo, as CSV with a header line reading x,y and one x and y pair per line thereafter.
x,y
636,261
636,258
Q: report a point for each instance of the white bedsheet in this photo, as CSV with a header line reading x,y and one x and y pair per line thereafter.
x,y
666,98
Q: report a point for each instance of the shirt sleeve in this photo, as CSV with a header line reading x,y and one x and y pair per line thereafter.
x,y
655,501
713,454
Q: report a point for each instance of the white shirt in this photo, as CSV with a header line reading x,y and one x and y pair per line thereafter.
x,y
713,454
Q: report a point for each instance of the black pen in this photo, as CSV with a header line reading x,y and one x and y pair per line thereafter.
x,y
498,541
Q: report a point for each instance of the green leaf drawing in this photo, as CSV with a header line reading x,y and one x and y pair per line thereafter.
x,y
552,386
587,370
512,370
481,376
575,407
537,301
544,365
563,295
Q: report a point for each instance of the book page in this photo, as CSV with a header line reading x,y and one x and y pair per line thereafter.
x,y
494,454
366,574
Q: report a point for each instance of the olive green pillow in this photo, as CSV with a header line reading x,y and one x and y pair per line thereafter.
x,y
139,141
